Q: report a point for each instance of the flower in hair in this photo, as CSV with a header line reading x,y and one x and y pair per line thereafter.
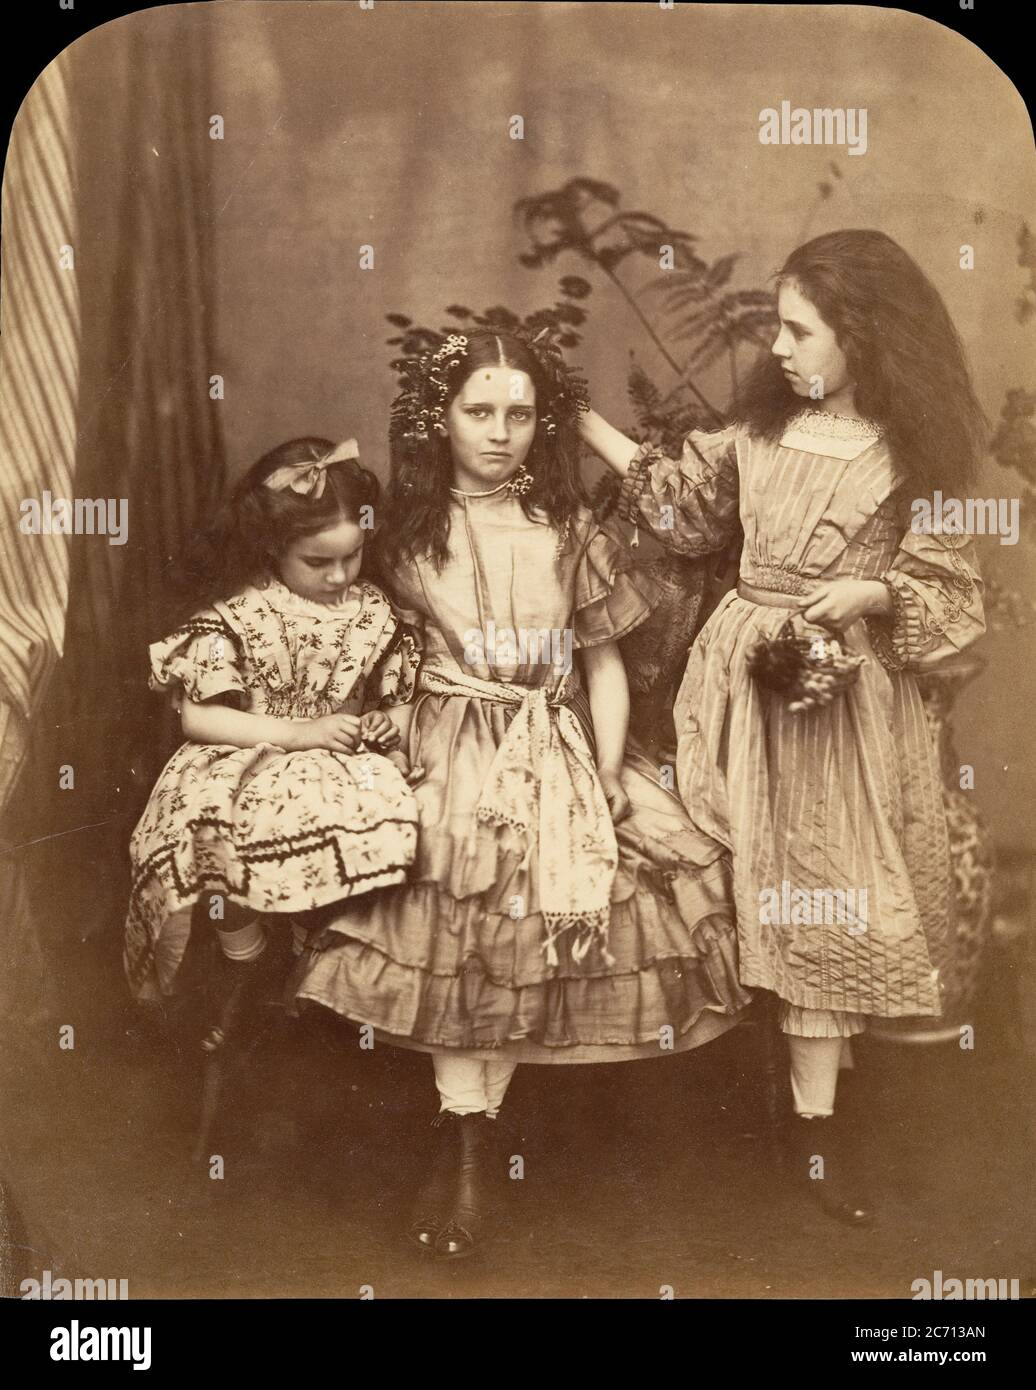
x,y
310,478
419,406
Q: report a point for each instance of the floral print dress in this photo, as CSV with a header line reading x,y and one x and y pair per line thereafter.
x,y
273,830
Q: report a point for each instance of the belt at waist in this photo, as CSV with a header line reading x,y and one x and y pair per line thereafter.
x,y
769,598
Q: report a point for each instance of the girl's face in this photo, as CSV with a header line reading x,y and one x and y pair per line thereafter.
x,y
807,349
491,423
325,565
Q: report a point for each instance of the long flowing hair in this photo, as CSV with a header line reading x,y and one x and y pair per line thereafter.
x,y
902,351
254,524
416,519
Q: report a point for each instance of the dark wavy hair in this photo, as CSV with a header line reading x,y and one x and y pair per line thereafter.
x,y
416,511
902,351
254,524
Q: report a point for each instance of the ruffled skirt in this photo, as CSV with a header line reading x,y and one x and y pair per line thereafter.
x,y
454,958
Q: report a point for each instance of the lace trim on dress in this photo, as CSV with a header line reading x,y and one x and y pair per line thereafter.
x,y
827,424
833,436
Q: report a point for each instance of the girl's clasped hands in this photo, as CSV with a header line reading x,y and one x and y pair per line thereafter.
x,y
348,733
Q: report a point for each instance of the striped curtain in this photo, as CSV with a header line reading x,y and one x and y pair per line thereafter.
x,y
39,372
119,409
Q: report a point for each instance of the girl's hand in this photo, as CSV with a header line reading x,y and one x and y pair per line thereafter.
x,y
338,733
618,801
412,775
377,729
838,603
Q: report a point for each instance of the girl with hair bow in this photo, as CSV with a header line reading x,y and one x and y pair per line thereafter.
x,y
290,792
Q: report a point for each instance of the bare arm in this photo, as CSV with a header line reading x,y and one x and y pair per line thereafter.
x,y
608,692
216,723
401,716
608,443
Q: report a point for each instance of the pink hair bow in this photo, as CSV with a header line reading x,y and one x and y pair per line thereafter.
x,y
311,477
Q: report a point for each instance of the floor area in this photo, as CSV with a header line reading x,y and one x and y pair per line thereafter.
x,y
636,1176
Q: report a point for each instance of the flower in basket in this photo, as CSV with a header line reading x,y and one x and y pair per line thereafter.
x,y
808,669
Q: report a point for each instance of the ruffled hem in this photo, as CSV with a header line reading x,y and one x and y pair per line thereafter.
x,y
819,1023
420,965
424,927
705,1028
895,636
651,1007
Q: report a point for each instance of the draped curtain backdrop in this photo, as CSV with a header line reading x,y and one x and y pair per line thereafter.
x,y
110,158
391,128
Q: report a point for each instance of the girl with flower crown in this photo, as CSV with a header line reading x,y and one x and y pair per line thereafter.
x,y
831,792
290,792
561,907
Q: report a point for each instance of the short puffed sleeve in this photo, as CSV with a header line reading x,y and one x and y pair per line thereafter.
x,y
393,679
611,595
689,503
937,607
201,659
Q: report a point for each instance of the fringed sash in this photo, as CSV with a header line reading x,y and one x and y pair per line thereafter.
x,y
543,782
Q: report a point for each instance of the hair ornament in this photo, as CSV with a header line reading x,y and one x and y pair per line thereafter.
x,y
309,478
419,407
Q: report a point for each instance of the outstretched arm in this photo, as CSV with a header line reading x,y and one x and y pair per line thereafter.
x,y
608,443
690,503
608,692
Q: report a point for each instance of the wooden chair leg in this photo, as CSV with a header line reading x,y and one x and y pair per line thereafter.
x,y
213,1082
774,1075
246,1029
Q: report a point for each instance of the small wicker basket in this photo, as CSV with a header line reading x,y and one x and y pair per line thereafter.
x,y
809,669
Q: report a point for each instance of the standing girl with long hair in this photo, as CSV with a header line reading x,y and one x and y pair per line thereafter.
x,y
561,908
863,407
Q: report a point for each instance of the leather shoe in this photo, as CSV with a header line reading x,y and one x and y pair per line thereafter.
x,y
434,1201
819,1167
465,1228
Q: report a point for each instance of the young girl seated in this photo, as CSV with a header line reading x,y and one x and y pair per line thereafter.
x,y
287,795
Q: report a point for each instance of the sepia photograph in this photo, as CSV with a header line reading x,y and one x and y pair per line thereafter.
x,y
517,665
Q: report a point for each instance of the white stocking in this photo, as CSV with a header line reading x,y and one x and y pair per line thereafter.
x,y
814,1074
498,1078
461,1082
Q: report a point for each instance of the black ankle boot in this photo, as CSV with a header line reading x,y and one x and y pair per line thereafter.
x,y
820,1167
434,1202
473,1199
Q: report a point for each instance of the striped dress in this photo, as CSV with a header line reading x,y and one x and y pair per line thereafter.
x,y
845,798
